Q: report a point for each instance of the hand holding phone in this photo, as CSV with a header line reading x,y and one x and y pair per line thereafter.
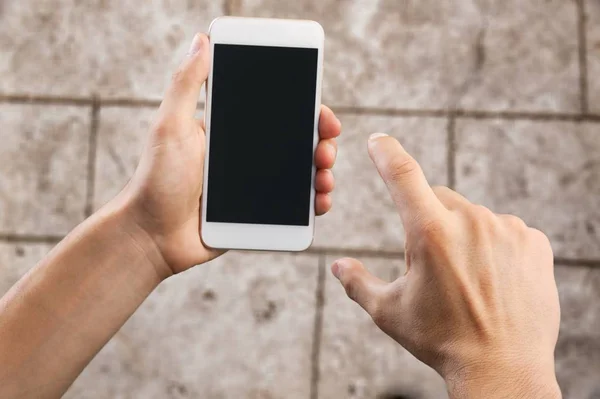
x,y
164,195
262,114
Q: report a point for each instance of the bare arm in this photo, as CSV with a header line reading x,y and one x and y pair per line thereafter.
x,y
55,319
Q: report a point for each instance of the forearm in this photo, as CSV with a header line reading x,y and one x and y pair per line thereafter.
x,y
57,317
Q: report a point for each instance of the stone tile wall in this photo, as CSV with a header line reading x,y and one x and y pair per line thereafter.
x,y
498,99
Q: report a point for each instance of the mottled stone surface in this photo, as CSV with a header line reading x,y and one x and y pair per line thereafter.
x,y
363,214
16,260
492,54
109,47
578,349
238,327
43,168
358,360
242,326
592,8
548,173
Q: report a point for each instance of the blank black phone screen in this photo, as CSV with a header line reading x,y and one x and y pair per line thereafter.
x,y
261,134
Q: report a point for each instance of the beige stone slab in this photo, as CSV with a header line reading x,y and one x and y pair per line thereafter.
x,y
16,260
363,215
357,359
238,327
492,54
524,57
43,168
548,173
592,8
112,48
578,349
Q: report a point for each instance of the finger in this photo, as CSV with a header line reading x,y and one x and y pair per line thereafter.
x,y
450,198
329,125
360,285
322,203
325,154
405,180
182,95
324,181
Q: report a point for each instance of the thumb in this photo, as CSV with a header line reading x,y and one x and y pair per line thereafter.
x,y
360,285
182,95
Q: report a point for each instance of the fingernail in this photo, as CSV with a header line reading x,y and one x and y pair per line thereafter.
x,y
375,136
196,45
335,269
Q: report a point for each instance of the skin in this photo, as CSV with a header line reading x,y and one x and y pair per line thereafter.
x,y
61,313
478,302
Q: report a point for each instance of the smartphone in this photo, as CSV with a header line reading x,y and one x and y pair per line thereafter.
x,y
261,115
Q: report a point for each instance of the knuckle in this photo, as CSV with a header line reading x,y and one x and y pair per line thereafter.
x,y
443,193
186,76
440,189
514,222
480,217
540,237
542,246
167,125
179,77
162,128
483,222
433,233
481,212
399,167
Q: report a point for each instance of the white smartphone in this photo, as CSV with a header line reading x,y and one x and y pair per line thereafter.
x,y
262,113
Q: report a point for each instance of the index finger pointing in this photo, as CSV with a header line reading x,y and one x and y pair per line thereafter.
x,y
414,198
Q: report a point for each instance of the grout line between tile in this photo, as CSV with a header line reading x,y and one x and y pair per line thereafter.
x,y
321,251
317,329
387,254
44,100
583,67
30,239
357,252
231,7
576,262
451,152
469,114
82,101
77,101
130,103
226,7
393,112
92,151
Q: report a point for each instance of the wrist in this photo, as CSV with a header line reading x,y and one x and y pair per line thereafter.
x,y
503,380
116,217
